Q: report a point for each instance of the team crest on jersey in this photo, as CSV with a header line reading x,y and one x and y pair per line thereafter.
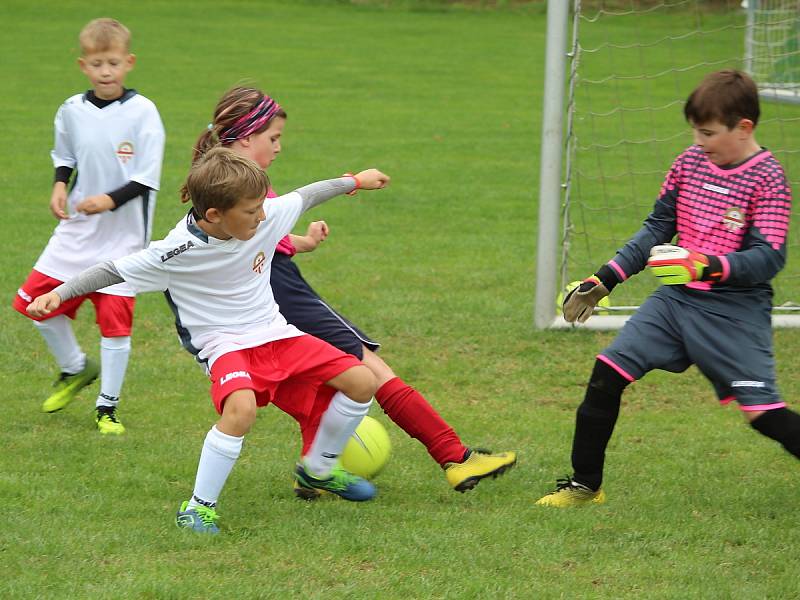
x,y
125,152
258,262
733,219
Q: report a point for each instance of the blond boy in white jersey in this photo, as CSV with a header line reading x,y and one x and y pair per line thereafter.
x,y
215,267
114,138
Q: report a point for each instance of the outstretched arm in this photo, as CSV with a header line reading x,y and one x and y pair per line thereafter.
x,y
321,191
91,280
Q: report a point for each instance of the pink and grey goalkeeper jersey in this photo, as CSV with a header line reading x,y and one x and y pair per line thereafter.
x,y
740,214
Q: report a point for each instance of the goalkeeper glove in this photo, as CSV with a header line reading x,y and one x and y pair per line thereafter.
x,y
579,303
674,265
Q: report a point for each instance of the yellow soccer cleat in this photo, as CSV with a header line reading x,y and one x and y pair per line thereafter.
x,y
107,422
480,463
68,386
571,493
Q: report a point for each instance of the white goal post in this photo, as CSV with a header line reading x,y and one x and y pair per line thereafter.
x,y
772,39
617,73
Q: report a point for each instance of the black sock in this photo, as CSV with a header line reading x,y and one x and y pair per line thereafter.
x,y
594,424
781,425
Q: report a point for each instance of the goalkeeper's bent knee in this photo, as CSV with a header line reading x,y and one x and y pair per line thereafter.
x,y
605,387
781,425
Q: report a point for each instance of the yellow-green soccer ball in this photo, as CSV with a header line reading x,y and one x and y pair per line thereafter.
x,y
368,449
604,303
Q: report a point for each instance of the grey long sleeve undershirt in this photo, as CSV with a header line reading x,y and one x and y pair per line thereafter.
x,y
92,279
317,193
105,274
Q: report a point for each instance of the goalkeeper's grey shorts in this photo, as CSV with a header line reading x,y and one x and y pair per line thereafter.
x,y
735,355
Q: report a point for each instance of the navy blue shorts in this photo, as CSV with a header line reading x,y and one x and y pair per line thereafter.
x,y
736,356
304,309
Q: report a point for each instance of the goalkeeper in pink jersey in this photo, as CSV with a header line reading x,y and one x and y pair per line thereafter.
x,y
251,124
727,203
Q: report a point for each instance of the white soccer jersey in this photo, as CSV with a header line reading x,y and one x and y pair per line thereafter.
x,y
219,290
107,147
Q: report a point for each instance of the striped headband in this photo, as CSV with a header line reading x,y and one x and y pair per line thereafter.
x,y
252,121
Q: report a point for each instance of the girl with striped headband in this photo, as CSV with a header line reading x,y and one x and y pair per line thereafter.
x,y
251,123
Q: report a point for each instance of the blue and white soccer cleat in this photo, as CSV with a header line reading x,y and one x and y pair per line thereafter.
x,y
202,519
339,482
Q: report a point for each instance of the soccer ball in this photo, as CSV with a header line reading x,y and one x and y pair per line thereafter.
x,y
604,302
368,449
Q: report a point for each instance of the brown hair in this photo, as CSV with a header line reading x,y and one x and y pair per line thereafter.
x,y
101,35
233,105
220,179
725,96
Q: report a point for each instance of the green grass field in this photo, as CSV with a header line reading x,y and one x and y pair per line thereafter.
x,y
440,268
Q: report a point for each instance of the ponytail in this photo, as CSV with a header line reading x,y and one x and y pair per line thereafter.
x,y
208,139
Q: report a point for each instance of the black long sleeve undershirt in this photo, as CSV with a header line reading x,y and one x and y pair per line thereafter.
x,y
122,194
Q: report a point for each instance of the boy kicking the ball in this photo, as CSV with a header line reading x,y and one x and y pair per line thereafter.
x,y
728,202
214,266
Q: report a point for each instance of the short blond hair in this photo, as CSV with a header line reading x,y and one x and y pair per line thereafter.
x,y
101,35
221,178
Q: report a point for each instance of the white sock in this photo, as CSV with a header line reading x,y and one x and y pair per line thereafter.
x,y
219,454
336,426
114,353
57,333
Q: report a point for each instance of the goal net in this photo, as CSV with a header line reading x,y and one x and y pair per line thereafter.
x,y
632,64
772,48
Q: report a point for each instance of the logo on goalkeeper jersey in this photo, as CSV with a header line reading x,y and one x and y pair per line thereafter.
x,y
734,218
715,188
750,384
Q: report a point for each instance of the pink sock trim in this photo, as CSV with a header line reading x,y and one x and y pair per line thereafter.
x,y
618,369
756,407
727,400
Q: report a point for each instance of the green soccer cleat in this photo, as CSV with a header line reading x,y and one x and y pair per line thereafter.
x,y
202,519
107,422
339,482
569,492
68,386
479,463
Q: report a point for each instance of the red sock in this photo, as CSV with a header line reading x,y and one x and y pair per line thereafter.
x,y
409,409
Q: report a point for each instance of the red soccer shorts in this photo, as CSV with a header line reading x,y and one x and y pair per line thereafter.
x,y
290,372
114,313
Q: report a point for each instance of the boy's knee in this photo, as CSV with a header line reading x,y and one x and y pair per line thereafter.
x,y
357,383
238,412
379,368
605,388
751,416
606,379
363,384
